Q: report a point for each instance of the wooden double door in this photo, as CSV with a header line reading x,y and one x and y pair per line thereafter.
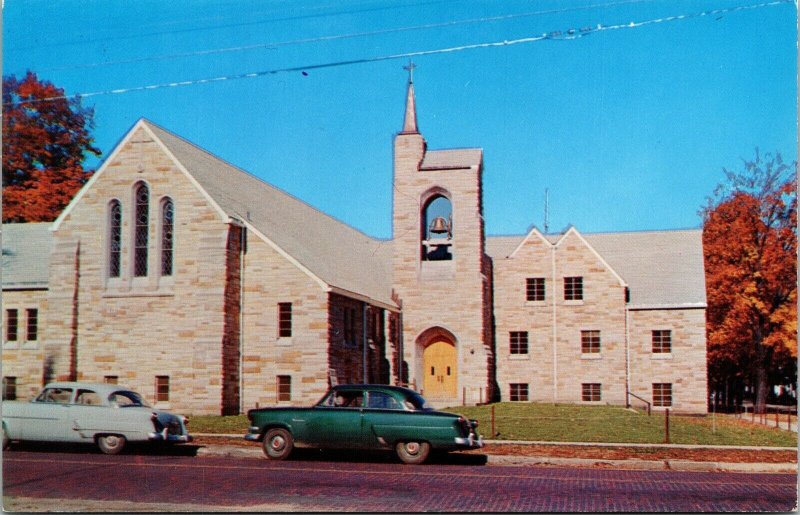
x,y
440,361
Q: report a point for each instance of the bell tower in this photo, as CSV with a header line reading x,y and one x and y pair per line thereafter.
x,y
440,271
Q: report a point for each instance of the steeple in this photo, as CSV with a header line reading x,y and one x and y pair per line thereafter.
x,y
410,121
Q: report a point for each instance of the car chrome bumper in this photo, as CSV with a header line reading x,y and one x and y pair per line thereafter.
x,y
253,434
470,442
164,437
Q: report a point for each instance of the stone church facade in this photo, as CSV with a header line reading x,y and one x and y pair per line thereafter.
x,y
212,292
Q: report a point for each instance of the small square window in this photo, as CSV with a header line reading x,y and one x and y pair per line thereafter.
x,y
111,379
284,388
9,388
518,342
662,341
590,342
662,394
534,288
33,325
573,288
285,319
590,392
162,388
12,321
519,391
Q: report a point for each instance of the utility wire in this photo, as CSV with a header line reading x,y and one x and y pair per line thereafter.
x,y
569,34
275,45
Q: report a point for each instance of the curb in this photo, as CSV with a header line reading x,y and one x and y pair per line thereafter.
x,y
235,451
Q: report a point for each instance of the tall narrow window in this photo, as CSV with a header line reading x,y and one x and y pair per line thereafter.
x,y
162,388
167,227
284,388
33,325
518,342
437,229
9,388
285,319
12,320
114,238
142,222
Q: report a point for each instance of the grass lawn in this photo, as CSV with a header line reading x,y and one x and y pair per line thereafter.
x,y
572,423
612,424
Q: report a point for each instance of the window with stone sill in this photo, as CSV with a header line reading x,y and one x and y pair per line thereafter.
x,y
12,321
518,342
590,392
167,231
114,238
534,289
284,388
662,341
519,392
662,395
590,342
573,288
162,388
285,319
141,229
32,333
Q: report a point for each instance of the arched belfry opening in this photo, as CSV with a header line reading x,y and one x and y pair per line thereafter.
x,y
438,363
436,231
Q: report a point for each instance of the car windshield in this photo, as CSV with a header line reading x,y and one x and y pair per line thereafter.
x,y
126,399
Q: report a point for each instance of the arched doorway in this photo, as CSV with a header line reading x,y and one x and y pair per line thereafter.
x,y
439,364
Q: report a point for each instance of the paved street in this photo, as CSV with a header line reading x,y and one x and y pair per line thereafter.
x,y
378,483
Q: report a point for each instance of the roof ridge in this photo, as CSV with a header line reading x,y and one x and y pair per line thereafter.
x,y
261,181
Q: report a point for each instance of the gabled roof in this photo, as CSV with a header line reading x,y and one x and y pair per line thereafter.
x,y
343,258
663,269
26,255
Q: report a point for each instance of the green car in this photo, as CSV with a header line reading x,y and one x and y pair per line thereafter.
x,y
363,417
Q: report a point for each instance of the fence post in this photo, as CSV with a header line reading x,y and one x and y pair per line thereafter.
x,y
776,417
666,426
493,432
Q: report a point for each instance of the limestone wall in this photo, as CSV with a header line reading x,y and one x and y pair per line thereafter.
x,y
23,359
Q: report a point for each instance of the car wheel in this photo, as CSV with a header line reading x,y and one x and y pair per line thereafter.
x,y
278,444
413,453
111,444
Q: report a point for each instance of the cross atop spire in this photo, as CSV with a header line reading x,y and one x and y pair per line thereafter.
x,y
410,120
410,69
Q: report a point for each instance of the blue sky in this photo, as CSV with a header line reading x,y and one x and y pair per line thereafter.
x,y
627,128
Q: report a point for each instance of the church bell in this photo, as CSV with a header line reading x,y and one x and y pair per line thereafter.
x,y
439,225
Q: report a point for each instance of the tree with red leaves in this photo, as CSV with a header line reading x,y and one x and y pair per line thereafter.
x,y
750,246
46,137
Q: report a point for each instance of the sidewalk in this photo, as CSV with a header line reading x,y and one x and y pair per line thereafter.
x,y
634,464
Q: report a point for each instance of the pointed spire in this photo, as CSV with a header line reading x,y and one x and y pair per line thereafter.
x,y
410,121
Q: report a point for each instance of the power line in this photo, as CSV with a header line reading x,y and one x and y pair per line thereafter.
x,y
274,45
569,34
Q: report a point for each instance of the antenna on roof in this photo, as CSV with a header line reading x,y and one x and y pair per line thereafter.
x,y
546,213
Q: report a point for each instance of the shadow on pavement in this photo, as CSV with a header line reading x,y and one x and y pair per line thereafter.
x,y
152,449
359,456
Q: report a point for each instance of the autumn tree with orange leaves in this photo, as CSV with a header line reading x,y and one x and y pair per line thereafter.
x,y
750,246
46,137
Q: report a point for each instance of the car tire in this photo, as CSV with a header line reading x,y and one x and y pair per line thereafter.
x,y
111,444
412,453
278,444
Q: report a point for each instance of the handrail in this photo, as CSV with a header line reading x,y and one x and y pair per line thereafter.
x,y
643,400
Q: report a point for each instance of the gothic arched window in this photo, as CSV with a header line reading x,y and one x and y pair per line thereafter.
x,y
141,226
114,237
167,228
437,229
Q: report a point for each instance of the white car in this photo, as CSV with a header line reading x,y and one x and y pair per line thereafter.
x,y
108,415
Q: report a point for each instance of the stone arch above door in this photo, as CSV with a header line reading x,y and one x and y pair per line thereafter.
x,y
439,363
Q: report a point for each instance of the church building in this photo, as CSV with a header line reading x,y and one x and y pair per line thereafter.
x,y
210,291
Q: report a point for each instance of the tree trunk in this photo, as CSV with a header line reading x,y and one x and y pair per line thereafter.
x,y
761,387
